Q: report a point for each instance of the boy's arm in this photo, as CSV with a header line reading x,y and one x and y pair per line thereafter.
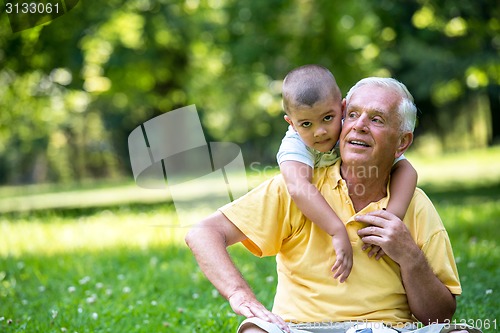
x,y
298,177
313,205
402,186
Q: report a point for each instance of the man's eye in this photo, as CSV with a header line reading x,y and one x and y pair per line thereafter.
x,y
377,120
306,124
351,115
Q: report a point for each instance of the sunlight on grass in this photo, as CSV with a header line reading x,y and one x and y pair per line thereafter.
x,y
472,167
476,219
33,200
55,234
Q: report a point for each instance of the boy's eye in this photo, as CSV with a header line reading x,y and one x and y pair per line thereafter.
x,y
306,124
328,118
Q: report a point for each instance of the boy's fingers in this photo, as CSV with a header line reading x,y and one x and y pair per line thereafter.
x,y
345,274
374,251
380,254
342,272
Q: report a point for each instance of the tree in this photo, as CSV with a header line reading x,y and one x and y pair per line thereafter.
x,y
71,90
447,52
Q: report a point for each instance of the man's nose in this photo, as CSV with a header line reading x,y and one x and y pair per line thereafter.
x,y
361,123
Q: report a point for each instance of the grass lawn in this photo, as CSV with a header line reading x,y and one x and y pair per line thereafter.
x,y
117,267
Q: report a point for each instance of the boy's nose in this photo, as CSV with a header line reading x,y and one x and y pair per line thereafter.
x,y
320,131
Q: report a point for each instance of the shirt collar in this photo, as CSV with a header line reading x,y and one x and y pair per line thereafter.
x,y
335,173
339,181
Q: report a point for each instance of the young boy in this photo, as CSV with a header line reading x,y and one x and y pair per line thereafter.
x,y
312,102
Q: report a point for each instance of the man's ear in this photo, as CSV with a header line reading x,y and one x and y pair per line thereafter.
x,y
288,120
404,142
343,108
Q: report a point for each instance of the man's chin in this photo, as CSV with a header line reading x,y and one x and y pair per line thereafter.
x,y
355,158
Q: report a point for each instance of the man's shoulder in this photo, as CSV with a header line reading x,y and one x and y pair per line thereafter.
x,y
422,204
421,196
271,184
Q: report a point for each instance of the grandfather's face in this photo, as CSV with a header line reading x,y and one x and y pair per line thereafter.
x,y
370,135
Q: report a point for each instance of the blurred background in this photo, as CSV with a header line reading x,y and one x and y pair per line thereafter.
x,y
73,89
84,249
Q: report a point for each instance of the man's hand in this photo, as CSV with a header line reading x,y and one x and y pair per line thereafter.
x,y
429,299
388,232
246,305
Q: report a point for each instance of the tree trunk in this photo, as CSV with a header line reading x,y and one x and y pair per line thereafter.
x,y
494,96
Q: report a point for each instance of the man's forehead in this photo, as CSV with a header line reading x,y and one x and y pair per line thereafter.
x,y
374,97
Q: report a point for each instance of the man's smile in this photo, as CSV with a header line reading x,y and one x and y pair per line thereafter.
x,y
359,143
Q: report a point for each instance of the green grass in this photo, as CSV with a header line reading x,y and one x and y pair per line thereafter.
x,y
472,217
121,267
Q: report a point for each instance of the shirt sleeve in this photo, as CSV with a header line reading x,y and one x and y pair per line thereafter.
x,y
292,148
440,256
260,215
432,238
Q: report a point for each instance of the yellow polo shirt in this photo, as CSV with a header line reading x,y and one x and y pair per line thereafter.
x,y
306,290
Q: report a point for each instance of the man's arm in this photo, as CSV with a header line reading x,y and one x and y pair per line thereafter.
x,y
208,241
429,299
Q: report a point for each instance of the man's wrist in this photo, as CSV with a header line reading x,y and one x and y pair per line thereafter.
x,y
413,261
241,292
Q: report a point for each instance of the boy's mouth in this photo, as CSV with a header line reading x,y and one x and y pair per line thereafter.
x,y
323,141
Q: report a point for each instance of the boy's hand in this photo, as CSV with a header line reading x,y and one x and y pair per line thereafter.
x,y
343,251
374,251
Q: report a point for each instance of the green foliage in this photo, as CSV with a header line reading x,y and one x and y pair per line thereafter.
x,y
72,90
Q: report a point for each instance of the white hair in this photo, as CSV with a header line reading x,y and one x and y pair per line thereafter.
x,y
407,109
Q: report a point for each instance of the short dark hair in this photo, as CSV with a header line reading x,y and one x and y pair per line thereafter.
x,y
307,85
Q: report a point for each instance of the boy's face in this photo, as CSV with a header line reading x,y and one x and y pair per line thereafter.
x,y
319,126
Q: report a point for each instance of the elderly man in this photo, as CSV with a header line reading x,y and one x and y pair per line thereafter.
x,y
416,279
